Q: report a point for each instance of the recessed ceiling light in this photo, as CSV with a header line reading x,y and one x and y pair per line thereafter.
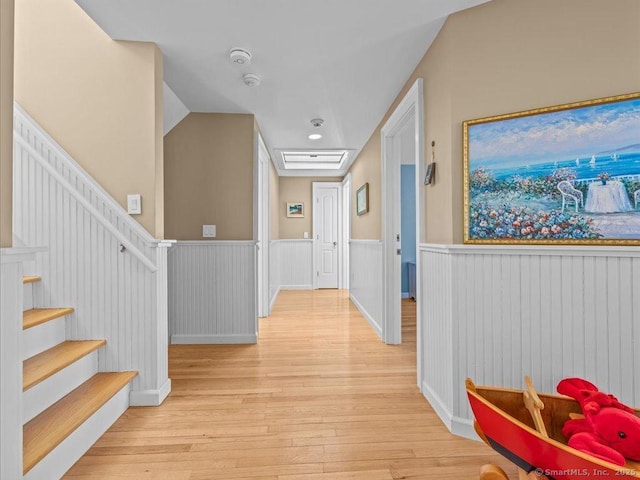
x,y
315,136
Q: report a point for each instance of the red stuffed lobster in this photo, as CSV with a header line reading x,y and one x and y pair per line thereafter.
x,y
609,430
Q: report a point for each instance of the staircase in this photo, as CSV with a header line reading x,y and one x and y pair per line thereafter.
x,y
67,403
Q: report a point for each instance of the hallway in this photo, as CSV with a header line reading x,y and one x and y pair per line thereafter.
x,y
319,397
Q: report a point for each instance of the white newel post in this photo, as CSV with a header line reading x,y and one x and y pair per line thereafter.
x,y
163,318
11,260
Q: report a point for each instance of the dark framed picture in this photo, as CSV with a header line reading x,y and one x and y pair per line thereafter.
x,y
568,174
362,199
430,172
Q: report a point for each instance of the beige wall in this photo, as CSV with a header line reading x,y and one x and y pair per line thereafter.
x,y
6,120
209,161
99,99
274,202
297,189
500,57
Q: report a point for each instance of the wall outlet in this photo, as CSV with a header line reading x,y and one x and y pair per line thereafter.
x,y
306,235
134,204
209,231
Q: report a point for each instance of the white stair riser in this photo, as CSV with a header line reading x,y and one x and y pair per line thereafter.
x,y
27,296
70,450
42,337
46,393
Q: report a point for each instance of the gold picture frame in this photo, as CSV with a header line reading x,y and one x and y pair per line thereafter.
x,y
567,174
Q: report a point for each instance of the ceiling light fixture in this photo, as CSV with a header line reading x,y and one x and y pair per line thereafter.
x,y
317,122
240,56
251,80
315,136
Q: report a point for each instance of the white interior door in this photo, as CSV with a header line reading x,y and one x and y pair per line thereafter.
x,y
326,233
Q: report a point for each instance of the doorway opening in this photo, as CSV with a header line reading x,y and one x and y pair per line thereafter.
x,y
402,137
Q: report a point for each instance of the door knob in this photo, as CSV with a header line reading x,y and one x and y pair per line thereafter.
x,y
335,243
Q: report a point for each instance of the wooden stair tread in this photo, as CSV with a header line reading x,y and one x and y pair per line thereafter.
x,y
38,316
43,365
46,431
30,279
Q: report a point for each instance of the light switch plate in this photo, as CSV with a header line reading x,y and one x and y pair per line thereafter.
x,y
306,235
134,204
209,231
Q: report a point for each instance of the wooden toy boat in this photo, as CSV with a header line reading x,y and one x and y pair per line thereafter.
x,y
526,428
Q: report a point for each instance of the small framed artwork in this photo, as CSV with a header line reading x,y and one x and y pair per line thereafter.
x,y
295,210
362,199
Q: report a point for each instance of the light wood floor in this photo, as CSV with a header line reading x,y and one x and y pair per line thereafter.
x,y
319,397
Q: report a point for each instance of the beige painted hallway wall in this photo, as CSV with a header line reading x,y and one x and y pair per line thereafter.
x,y
505,56
6,121
209,162
298,189
101,100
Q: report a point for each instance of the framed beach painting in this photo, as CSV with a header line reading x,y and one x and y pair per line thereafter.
x,y
295,210
564,174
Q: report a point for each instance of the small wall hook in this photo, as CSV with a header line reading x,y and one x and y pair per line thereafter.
x,y
122,248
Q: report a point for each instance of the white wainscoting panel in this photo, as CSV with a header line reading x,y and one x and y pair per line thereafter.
x,y
274,272
496,314
365,265
437,341
212,292
296,264
99,260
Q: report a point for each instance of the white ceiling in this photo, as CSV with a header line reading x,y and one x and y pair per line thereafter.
x,y
341,60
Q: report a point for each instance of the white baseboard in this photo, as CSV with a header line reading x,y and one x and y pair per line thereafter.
x,y
75,445
463,427
212,339
273,300
295,287
438,405
377,328
150,398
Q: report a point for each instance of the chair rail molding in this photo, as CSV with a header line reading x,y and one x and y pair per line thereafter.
x,y
119,294
496,313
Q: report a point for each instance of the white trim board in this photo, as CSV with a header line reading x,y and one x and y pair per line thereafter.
x,y
212,339
153,398
374,325
534,250
410,108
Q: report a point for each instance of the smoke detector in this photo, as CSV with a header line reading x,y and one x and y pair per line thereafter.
x,y
240,56
317,122
251,80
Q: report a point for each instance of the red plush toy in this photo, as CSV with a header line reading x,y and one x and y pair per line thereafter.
x,y
609,430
